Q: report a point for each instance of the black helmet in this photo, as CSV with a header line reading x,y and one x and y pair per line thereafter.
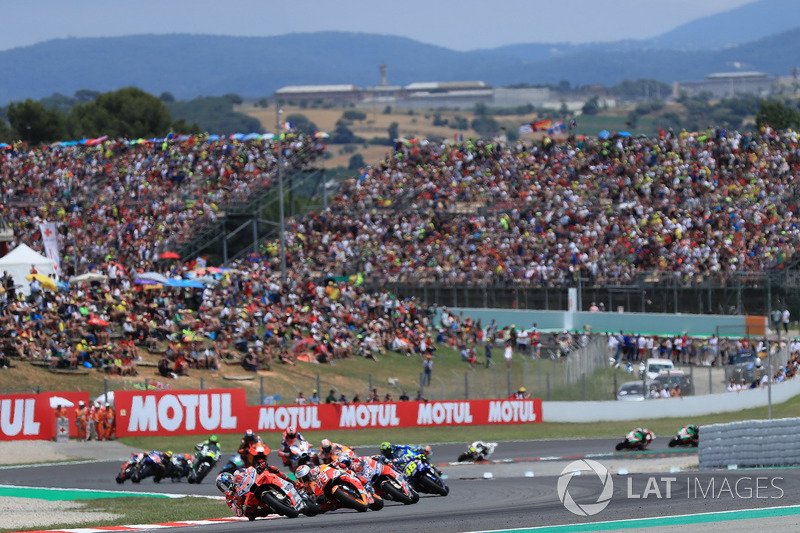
x,y
325,445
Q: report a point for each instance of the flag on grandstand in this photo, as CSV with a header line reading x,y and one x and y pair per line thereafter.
x,y
50,241
556,128
542,124
287,125
526,128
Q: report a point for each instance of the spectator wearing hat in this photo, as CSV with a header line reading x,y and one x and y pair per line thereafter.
x,y
520,394
314,398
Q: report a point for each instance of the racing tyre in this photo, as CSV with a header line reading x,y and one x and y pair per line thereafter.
x,y
345,499
432,487
464,457
396,494
620,445
310,508
673,443
278,506
414,495
202,472
376,505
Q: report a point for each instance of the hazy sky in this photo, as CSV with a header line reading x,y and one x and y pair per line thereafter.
x,y
455,24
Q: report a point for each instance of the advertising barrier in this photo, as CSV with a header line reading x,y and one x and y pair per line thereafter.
x,y
196,412
33,416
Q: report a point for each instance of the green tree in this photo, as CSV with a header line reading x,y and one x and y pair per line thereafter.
x,y
394,133
167,97
342,134
129,112
486,127
356,161
6,133
777,116
591,106
352,115
35,124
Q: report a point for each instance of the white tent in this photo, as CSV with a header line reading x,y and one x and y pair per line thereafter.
x,y
18,263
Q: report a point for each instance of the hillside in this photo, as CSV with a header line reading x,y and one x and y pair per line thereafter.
x,y
188,66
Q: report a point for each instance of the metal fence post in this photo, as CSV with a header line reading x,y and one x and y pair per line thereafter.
x,y
202,384
548,388
508,383
261,390
319,384
370,383
710,382
583,387
466,386
616,388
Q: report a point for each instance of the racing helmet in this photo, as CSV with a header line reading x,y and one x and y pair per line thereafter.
x,y
213,439
290,433
344,462
302,473
386,449
428,450
225,482
249,435
168,453
325,445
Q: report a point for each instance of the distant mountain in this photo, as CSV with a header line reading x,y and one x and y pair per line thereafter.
x,y
201,65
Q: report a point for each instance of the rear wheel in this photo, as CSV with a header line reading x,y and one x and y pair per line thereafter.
x,y
395,493
269,499
345,499
202,472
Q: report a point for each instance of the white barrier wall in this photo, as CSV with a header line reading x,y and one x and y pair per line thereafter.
x,y
706,404
750,443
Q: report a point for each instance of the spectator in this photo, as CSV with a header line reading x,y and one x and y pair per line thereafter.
x,y
419,397
427,370
250,361
403,396
331,398
314,398
301,399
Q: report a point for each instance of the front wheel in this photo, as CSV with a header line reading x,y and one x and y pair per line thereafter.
x,y
202,472
620,445
466,456
396,494
673,443
310,508
345,499
433,487
278,506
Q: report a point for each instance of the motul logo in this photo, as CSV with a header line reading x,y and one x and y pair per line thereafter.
x,y
443,413
16,417
282,417
173,412
512,411
369,415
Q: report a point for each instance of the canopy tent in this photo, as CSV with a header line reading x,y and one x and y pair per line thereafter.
x,y
18,264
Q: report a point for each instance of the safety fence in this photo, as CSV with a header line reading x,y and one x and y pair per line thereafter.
x,y
750,443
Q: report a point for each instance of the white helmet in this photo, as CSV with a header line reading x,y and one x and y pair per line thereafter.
x,y
302,472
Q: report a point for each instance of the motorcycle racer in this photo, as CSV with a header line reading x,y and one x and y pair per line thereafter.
x,y
211,442
244,503
330,451
402,453
291,437
249,438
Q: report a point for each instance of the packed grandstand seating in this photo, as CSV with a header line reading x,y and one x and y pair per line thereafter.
x,y
707,204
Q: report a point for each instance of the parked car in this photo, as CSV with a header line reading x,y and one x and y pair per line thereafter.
x,y
651,368
634,391
669,378
744,365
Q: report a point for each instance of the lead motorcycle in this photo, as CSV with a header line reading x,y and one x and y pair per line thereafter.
x,y
152,464
477,451
129,467
636,440
205,459
687,436
256,454
276,494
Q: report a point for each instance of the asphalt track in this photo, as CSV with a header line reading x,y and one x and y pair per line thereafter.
x,y
519,492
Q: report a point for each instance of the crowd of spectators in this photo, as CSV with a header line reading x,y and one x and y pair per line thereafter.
x,y
707,204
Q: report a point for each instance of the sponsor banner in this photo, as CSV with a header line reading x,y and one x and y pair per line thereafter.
x,y
30,417
50,241
198,412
